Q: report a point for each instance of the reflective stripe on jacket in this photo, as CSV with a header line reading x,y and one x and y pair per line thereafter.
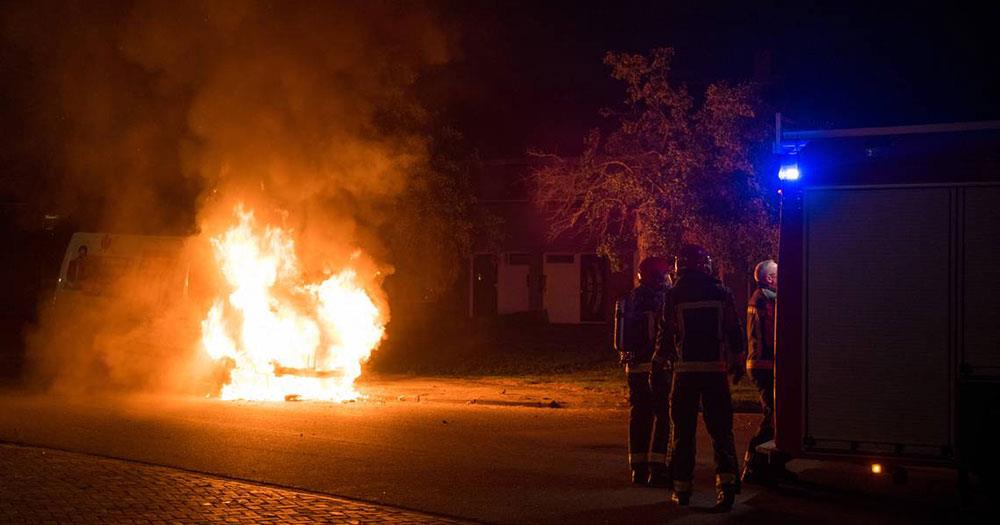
x,y
699,329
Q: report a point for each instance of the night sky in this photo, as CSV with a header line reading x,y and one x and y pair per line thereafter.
x,y
530,74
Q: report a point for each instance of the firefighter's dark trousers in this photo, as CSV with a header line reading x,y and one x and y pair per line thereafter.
x,y
648,418
712,389
763,379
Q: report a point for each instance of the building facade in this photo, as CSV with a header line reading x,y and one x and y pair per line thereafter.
x,y
563,281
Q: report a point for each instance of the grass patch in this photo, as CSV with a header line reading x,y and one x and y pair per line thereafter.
x,y
524,350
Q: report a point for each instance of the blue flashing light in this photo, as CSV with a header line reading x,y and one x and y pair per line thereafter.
x,y
789,170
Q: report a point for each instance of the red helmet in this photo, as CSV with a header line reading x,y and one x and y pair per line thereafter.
x,y
693,257
654,270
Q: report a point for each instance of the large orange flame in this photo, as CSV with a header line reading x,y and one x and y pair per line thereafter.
x,y
286,337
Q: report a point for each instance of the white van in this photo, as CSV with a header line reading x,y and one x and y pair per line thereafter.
x,y
124,312
102,264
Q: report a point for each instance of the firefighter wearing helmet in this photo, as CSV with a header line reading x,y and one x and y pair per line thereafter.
x,y
636,322
701,335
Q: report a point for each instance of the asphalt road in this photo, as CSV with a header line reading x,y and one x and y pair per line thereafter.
x,y
486,463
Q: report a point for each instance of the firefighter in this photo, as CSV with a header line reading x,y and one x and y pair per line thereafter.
x,y
760,365
701,335
636,322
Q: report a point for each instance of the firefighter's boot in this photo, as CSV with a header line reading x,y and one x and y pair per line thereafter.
x,y
752,465
640,473
682,493
659,476
725,498
681,498
781,473
758,469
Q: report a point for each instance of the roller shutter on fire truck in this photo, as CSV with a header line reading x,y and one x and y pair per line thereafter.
x,y
878,318
980,278
900,296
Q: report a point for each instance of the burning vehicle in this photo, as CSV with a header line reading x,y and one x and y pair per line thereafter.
x,y
232,314
287,336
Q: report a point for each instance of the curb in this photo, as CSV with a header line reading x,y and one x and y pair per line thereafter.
x,y
502,403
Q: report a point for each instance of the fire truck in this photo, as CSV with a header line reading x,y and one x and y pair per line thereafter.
x,y
888,316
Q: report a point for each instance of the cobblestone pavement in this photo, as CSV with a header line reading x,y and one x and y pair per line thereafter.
x,y
47,486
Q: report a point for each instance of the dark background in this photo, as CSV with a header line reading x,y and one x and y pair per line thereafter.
x,y
530,73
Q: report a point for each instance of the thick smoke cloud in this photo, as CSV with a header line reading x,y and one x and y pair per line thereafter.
x,y
157,117
140,106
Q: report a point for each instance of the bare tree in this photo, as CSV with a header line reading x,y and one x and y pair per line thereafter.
x,y
674,168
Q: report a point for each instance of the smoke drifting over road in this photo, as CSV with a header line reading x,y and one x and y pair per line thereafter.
x,y
159,116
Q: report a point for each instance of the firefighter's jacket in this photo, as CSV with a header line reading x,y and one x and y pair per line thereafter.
x,y
699,330
636,322
760,329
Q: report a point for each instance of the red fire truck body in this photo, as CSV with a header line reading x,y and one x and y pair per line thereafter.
x,y
888,315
